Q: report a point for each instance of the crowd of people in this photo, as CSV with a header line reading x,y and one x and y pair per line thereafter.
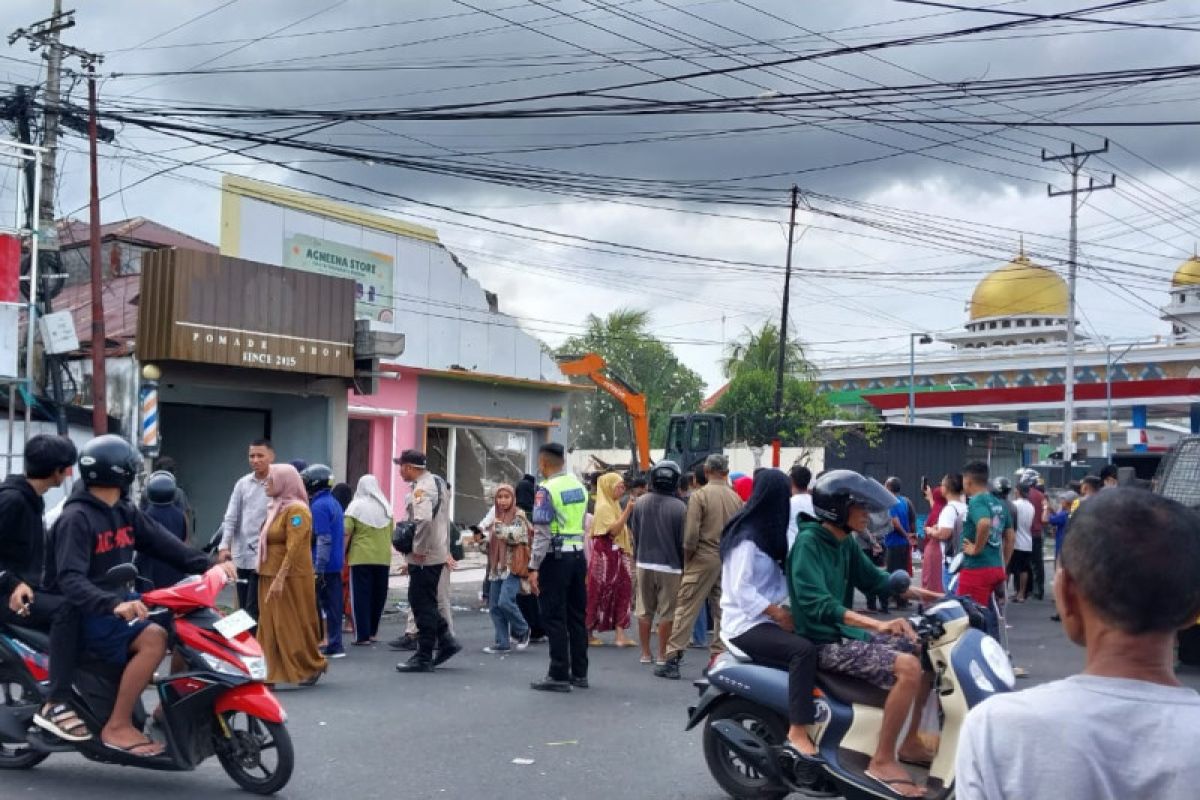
x,y
768,566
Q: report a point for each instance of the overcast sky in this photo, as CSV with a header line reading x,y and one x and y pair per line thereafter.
x,y
858,289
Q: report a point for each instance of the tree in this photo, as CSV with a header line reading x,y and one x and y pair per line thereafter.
x,y
749,404
759,350
641,360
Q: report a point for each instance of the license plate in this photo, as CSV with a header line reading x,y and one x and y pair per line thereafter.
x,y
236,623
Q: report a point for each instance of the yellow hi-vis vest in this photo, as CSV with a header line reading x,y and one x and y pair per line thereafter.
x,y
569,499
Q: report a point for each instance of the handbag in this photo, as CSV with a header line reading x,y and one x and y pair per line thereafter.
x,y
405,533
520,555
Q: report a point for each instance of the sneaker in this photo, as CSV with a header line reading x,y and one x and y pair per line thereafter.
x,y
579,683
325,651
523,641
415,664
405,642
537,640
668,669
494,650
447,651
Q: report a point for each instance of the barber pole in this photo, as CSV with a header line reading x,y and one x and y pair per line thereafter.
x,y
149,397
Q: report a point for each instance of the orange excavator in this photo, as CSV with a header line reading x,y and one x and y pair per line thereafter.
x,y
690,437
594,367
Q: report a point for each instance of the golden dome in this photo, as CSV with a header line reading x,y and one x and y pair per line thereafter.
x,y
1022,289
1188,273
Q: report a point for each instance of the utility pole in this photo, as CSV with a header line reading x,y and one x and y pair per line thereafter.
x,y
783,330
1073,162
45,35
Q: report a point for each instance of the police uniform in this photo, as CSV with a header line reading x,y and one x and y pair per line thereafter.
x,y
558,557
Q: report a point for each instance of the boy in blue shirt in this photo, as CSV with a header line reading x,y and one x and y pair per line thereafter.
x,y
329,547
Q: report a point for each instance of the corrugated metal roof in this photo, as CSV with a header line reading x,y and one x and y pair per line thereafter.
x,y
73,233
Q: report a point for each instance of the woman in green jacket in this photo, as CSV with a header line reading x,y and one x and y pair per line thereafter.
x,y
369,553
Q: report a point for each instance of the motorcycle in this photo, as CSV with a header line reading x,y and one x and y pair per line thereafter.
x,y
219,704
744,710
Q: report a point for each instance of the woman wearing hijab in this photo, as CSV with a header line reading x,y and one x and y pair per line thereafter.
x,y
508,529
288,627
754,589
947,512
369,554
610,579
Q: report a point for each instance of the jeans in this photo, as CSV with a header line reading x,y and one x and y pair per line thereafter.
x,y
432,630
563,603
329,598
1038,583
368,596
502,606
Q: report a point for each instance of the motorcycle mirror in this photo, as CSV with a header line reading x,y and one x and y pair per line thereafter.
x,y
121,575
899,582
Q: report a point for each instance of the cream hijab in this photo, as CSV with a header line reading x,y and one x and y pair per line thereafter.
x,y
285,489
370,506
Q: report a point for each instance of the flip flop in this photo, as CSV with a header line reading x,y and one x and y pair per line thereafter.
x,y
134,748
624,645
646,660
917,762
888,784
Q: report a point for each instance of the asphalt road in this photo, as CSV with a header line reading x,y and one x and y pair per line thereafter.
x,y
368,732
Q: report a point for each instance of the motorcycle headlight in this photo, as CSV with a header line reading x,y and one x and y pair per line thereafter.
x,y
998,663
982,681
256,666
222,666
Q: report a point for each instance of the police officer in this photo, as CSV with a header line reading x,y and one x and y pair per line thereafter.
x,y
558,571
428,507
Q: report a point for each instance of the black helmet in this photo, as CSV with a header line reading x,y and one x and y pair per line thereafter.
x,y
837,490
1001,486
109,461
317,477
664,478
160,488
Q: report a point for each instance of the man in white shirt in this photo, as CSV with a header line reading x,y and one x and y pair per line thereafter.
x,y
1128,579
1021,564
801,500
243,521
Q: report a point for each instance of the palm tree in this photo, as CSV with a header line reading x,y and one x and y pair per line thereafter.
x,y
622,324
759,350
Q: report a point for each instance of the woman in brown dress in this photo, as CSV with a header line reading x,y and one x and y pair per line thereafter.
x,y
288,628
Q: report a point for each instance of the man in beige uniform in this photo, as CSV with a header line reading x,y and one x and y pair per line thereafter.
x,y
428,506
709,508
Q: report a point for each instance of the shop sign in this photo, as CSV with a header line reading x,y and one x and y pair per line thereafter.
x,y
210,309
371,271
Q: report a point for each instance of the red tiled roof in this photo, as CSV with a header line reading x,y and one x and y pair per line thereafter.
x,y
74,233
712,399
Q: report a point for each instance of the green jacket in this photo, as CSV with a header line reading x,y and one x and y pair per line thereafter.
x,y
821,571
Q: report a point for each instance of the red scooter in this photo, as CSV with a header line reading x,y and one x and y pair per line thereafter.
x,y
218,705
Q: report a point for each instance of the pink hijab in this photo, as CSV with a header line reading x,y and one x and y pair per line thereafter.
x,y
288,490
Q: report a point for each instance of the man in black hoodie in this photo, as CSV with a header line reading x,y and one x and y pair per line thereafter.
x,y
48,461
100,529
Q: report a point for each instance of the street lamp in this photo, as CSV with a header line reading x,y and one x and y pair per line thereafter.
x,y
1109,363
913,340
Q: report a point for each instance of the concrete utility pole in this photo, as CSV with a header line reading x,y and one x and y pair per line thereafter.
x,y
783,331
1073,162
44,35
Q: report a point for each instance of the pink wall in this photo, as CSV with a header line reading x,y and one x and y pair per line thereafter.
x,y
390,435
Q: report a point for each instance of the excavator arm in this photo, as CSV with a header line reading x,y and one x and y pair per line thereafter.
x,y
593,367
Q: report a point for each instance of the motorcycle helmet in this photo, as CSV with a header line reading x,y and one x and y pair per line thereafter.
x,y
161,488
317,477
837,490
664,478
109,461
1001,486
1028,477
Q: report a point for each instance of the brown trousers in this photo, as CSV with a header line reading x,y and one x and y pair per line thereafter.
x,y
701,584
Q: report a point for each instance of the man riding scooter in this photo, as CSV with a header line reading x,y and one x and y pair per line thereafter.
x,y
100,528
824,565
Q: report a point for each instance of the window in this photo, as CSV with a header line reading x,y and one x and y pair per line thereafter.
x,y
475,460
1007,323
701,434
1020,323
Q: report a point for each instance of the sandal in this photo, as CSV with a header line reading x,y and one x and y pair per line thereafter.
x,y
888,783
646,660
62,721
136,749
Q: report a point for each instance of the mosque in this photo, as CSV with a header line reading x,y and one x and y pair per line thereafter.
x,y
1008,365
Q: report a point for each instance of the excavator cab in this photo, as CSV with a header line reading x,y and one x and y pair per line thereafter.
x,y
692,437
